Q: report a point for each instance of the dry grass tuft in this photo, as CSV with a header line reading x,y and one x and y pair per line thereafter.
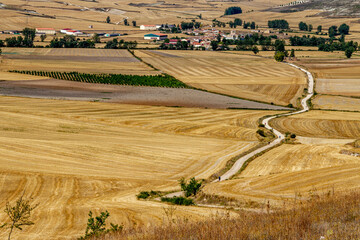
x,y
321,217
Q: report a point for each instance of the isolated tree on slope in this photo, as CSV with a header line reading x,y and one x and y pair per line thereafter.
x,y
349,52
108,20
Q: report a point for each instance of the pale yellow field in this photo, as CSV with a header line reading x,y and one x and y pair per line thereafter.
x,y
293,170
72,157
336,103
237,75
321,124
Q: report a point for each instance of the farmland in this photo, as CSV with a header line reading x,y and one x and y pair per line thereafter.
x,y
231,74
321,124
73,157
293,171
337,82
68,60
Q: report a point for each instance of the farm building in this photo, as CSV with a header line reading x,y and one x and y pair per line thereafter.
x,y
153,36
47,31
150,27
65,30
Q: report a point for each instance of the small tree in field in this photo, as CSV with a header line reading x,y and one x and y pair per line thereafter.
x,y
108,20
255,50
349,52
43,37
292,54
19,214
191,188
97,226
279,56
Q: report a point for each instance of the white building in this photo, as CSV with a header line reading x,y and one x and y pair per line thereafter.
x,y
150,27
47,31
153,36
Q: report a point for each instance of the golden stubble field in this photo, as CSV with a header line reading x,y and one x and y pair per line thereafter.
x,y
337,82
73,157
239,75
74,59
291,172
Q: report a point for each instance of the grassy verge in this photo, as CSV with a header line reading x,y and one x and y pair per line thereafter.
x,y
327,216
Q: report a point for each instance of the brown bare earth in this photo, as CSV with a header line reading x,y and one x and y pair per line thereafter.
x,y
237,75
75,156
61,89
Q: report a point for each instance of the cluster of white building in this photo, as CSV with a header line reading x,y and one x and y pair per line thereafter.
x,y
52,31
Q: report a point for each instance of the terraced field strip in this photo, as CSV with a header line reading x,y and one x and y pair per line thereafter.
x,y
239,163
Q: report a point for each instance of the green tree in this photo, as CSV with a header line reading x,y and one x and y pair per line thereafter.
x,y
310,27
292,54
344,29
233,10
43,37
19,214
191,188
319,28
255,50
96,38
29,36
349,52
134,23
279,46
126,22
108,20
303,26
97,226
333,31
279,56
214,45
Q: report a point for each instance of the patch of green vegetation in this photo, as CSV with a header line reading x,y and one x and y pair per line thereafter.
x,y
150,194
178,201
163,80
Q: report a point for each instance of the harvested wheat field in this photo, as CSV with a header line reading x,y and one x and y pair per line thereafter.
x,y
242,76
337,103
72,157
74,59
293,171
321,124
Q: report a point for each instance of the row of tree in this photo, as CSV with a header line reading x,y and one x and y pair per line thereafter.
x,y
163,80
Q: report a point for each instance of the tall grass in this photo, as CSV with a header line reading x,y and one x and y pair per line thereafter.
x,y
325,217
163,80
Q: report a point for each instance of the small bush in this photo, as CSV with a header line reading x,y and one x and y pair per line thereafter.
x,y
143,195
261,132
178,201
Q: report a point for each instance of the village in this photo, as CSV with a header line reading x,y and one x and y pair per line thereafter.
x,y
160,34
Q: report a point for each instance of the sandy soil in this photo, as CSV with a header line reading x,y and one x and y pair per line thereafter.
x,y
60,89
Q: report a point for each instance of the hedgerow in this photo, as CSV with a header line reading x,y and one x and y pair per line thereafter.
x,y
163,80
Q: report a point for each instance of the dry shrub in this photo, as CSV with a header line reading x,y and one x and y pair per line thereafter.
x,y
326,217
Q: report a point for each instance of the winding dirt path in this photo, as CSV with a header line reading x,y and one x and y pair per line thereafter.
x,y
239,163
